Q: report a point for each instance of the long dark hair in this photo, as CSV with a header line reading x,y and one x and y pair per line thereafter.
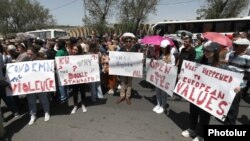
x,y
216,59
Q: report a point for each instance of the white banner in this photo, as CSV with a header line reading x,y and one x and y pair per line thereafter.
x,y
77,69
126,64
31,77
161,74
210,88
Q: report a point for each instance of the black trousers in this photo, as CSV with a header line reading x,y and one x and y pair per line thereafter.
x,y
78,88
197,119
234,110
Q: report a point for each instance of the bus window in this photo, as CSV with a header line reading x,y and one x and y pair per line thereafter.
x,y
220,27
241,26
47,35
207,27
59,34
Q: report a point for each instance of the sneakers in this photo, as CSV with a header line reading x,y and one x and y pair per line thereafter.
x,y
74,110
156,108
198,138
84,109
46,117
32,119
119,87
188,133
111,92
16,115
160,110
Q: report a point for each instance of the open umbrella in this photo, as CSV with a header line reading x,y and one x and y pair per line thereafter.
x,y
218,38
188,33
153,40
175,38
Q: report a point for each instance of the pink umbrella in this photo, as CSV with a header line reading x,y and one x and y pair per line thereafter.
x,y
155,40
218,38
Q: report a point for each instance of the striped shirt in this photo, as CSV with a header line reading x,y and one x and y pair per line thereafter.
x,y
239,63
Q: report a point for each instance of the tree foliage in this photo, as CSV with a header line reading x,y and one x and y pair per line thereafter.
x,y
222,9
134,12
23,15
97,13
130,13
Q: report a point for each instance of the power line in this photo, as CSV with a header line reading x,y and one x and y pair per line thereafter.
x,y
64,5
177,3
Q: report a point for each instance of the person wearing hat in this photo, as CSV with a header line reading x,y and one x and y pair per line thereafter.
x,y
23,56
126,82
197,116
161,95
238,61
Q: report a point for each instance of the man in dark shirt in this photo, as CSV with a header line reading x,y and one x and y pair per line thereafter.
x,y
187,53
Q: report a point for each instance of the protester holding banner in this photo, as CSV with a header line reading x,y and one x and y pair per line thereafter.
x,y
126,82
77,50
62,51
238,61
161,95
95,87
198,117
187,53
33,53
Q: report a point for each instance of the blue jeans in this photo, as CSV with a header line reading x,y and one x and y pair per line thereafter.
x,y
62,93
96,91
161,97
43,99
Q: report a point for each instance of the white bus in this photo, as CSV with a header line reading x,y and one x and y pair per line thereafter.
x,y
48,33
227,25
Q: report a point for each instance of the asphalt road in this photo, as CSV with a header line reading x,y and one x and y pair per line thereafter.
x,y
108,121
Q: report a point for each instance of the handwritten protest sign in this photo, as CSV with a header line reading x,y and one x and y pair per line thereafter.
x,y
125,63
31,77
161,74
210,88
77,69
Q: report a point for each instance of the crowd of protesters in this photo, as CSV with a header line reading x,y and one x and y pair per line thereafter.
x,y
235,58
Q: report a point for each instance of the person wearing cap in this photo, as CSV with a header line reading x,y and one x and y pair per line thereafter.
x,y
238,61
161,95
197,116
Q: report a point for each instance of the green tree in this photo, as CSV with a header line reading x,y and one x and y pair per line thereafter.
x,y
222,9
97,12
134,12
23,15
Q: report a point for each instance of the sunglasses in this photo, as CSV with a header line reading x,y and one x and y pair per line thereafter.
x,y
128,41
